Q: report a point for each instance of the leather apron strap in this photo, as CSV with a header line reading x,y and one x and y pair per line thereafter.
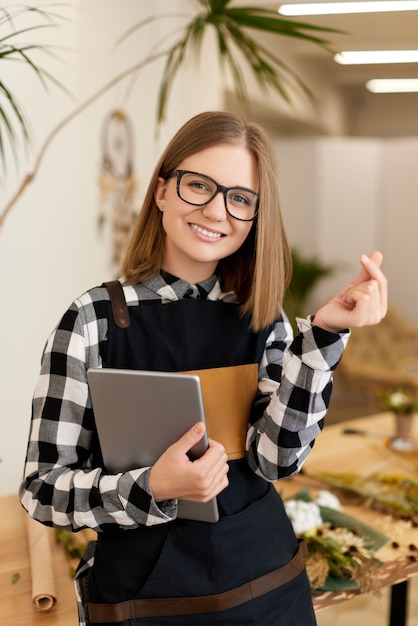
x,y
120,310
159,607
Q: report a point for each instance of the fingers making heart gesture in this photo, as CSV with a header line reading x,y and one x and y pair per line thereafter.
x,y
362,303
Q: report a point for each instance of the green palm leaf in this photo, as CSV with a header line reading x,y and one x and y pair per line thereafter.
x,y
269,21
258,58
231,25
6,128
11,113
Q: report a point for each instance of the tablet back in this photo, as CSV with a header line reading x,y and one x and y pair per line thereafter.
x,y
139,414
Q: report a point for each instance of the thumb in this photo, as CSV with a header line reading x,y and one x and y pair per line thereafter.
x,y
377,257
191,437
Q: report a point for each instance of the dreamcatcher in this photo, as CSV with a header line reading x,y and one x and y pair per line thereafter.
x,y
117,182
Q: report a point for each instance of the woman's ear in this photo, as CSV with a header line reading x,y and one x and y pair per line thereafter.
x,y
159,193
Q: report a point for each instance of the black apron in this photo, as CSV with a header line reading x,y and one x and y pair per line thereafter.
x,y
185,558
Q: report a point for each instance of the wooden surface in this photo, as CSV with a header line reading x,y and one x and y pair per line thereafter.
x,y
16,599
333,451
339,452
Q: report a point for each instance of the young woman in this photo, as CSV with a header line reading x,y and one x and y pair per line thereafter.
x,y
204,279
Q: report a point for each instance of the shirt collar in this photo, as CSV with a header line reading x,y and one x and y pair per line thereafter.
x,y
170,287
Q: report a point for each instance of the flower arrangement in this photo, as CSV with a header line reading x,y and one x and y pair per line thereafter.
x,y
341,549
340,553
400,401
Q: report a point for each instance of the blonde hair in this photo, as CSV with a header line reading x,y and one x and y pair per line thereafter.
x,y
259,271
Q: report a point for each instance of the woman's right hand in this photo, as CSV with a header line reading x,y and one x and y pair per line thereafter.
x,y
174,475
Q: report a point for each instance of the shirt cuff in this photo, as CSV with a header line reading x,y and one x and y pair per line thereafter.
x,y
318,348
136,496
166,508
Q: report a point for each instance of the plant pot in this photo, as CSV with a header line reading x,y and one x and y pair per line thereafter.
x,y
403,441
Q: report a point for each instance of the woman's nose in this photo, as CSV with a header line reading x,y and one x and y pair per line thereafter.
x,y
215,209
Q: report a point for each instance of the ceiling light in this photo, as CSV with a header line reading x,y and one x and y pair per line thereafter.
x,y
362,57
392,85
335,8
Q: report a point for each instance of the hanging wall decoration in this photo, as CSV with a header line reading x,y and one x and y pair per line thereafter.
x,y
117,182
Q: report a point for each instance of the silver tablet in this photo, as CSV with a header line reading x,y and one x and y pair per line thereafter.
x,y
139,414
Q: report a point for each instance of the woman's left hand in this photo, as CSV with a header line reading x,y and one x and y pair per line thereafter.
x,y
362,303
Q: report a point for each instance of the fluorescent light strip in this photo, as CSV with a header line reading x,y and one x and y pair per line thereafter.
x,y
392,85
363,57
339,8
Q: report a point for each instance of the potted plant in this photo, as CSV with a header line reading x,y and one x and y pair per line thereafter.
x,y
403,403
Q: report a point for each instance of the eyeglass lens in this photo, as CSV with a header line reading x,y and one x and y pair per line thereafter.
x,y
199,189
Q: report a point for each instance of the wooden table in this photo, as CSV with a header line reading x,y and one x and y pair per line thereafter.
x,y
333,451
339,452
16,599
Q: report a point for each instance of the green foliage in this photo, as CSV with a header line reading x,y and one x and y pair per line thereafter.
x,y
235,45
307,272
12,119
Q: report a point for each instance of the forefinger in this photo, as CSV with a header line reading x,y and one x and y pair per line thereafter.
x,y
373,269
373,260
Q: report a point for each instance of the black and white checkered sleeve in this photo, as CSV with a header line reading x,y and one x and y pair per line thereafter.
x,y
294,392
61,486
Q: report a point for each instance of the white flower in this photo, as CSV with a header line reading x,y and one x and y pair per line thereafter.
x,y
326,498
398,399
303,515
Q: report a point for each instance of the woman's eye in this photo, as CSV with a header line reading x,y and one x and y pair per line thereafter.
x,y
199,185
239,198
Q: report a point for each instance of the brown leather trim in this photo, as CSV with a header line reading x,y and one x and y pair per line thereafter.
x,y
160,607
119,307
228,395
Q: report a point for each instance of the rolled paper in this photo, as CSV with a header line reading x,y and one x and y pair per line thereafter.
x,y
44,595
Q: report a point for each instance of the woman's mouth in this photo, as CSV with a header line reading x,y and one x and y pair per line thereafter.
x,y
207,233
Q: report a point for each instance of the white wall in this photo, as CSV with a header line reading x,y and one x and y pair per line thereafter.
x,y
399,226
343,197
50,247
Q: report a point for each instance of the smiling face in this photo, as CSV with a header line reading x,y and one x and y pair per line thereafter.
x,y
197,237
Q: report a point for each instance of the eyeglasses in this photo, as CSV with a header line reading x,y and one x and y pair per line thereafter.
x,y
199,189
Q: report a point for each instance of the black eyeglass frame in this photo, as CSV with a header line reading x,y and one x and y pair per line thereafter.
x,y
219,188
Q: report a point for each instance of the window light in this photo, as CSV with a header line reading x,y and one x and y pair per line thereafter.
x,y
335,8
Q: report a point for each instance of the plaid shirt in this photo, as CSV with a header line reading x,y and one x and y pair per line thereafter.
x,y
61,487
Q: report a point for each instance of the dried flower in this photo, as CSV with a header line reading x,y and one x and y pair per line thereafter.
x,y
347,555
317,569
366,575
391,493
